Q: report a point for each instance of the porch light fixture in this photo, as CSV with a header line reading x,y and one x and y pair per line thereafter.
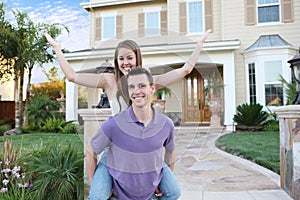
x,y
105,67
295,66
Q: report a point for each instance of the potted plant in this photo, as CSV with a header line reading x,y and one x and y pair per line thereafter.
x,y
159,101
213,89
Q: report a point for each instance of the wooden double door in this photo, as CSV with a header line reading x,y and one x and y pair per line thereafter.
x,y
195,102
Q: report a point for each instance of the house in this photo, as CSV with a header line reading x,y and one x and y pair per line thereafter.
x,y
248,49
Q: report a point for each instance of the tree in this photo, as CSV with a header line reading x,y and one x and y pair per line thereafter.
x,y
24,40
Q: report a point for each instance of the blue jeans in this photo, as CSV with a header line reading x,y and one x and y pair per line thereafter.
x,y
102,183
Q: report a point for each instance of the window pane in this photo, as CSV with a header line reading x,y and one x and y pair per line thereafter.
x,y
267,1
108,27
152,23
195,17
268,14
195,85
272,71
274,94
252,84
189,91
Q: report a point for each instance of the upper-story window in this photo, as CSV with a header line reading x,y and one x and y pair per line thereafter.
x,y
268,11
195,17
152,20
108,25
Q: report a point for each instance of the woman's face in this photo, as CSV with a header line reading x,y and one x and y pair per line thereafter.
x,y
126,60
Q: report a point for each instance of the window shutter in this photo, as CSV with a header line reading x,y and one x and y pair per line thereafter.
x,y
250,12
98,28
141,25
182,18
208,14
287,10
163,23
119,26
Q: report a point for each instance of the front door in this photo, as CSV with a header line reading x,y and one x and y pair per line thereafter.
x,y
195,105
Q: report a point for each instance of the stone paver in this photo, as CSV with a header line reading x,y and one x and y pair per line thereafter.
x,y
207,173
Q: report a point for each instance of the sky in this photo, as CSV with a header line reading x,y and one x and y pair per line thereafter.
x,y
67,12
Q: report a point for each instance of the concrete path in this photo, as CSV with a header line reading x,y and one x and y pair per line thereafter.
x,y
207,173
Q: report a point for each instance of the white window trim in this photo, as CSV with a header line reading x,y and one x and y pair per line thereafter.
x,y
105,15
258,57
269,4
203,17
156,9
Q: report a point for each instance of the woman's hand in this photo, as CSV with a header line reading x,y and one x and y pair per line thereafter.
x,y
202,39
51,41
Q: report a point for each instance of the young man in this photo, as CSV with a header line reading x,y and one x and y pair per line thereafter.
x,y
136,138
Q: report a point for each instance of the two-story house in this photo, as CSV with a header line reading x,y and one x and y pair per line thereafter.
x,y
250,44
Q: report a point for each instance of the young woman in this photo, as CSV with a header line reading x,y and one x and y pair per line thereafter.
x,y
127,56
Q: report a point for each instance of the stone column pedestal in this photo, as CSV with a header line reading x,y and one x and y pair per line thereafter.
x,y
93,118
289,120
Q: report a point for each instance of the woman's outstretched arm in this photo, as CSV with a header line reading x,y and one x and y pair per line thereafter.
x,y
172,76
85,79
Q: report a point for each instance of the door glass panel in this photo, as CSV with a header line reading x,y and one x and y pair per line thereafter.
x,y
195,92
189,91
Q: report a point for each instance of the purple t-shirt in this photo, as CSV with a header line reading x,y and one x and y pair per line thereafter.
x,y
135,158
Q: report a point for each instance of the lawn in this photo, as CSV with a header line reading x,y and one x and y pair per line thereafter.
x,y
29,140
260,147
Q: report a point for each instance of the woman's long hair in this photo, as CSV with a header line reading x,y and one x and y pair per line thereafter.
x,y
120,78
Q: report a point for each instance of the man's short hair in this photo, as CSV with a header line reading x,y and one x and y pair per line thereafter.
x,y
138,71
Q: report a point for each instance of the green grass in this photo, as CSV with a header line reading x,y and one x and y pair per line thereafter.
x,y
29,140
260,147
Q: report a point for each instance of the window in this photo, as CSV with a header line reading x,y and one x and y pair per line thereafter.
x,y
273,87
108,27
268,11
152,20
252,83
195,12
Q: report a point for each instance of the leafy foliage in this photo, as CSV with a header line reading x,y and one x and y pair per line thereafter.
x,y
290,90
271,126
50,89
14,182
250,115
54,125
58,172
163,91
39,109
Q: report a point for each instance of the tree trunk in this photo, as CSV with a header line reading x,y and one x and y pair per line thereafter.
x,y
21,109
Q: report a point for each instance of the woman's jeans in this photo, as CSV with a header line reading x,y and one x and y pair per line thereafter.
x,y
102,182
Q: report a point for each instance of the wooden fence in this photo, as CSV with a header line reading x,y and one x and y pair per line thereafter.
x,y
7,110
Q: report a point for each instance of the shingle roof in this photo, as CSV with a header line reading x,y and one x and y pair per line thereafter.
x,y
265,41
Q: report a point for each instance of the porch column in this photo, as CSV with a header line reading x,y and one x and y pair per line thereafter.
x,y
289,120
92,118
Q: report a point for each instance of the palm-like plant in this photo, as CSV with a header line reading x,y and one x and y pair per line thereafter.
x,y
250,115
58,172
161,93
290,90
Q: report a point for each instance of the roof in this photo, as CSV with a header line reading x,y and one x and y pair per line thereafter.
x,y
266,41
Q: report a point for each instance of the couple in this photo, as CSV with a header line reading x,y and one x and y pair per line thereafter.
x,y
127,56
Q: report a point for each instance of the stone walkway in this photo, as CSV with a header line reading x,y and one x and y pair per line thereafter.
x,y
207,173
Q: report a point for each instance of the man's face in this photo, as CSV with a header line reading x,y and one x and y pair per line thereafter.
x,y
140,91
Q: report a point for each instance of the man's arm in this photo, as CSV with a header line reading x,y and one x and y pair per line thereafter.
x,y
170,159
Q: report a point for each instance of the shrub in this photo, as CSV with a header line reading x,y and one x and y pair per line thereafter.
x,y
39,109
54,125
4,128
70,128
271,126
250,115
58,172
